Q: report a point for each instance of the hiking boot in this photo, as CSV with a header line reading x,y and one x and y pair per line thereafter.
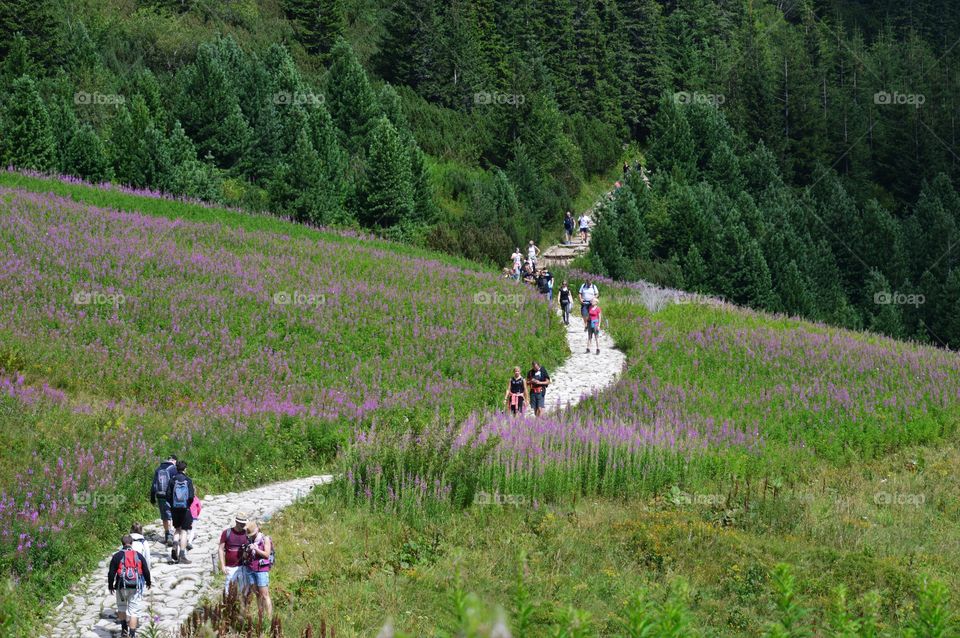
x,y
588,350
189,545
175,553
184,560
598,350
124,633
168,541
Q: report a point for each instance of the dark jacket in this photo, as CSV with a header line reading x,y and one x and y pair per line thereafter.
x,y
180,477
171,470
115,565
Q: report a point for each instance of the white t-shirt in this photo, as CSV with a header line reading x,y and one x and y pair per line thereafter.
x,y
141,545
517,258
588,293
532,252
584,221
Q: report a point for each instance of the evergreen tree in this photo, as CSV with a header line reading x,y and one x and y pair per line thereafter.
x,y
86,156
886,318
387,195
319,24
351,100
642,67
26,138
136,148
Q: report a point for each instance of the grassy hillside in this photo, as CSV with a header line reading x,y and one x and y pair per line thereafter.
x,y
736,441
132,327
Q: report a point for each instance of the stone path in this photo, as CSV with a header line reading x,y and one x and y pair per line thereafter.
x,y
89,611
582,373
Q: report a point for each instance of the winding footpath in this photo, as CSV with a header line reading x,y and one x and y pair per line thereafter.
x,y
89,611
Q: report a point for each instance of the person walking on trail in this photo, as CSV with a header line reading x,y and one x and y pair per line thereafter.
x,y
517,258
232,540
568,224
158,494
532,254
565,298
256,569
626,168
545,284
196,506
537,380
517,395
588,293
140,543
584,223
181,495
127,575
593,328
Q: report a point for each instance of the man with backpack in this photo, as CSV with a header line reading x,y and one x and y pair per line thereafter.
x,y
127,575
537,380
158,494
587,293
568,227
180,493
232,541
545,284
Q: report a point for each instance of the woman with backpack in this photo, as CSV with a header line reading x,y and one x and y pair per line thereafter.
x,y
258,560
516,397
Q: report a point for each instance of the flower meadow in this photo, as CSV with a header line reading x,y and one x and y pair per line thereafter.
x,y
250,353
804,394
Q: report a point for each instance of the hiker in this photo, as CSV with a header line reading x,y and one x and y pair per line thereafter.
x,y
593,329
517,258
195,507
180,494
158,494
545,284
127,575
528,274
256,568
538,380
568,228
140,543
232,540
587,293
532,253
516,393
584,223
565,299
626,168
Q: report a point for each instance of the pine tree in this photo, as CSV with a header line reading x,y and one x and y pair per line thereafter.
x,y
387,191
26,138
36,22
319,24
351,100
408,52
136,148
695,270
86,156
671,148
643,72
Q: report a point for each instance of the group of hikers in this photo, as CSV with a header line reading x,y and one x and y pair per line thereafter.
x,y
532,389
245,554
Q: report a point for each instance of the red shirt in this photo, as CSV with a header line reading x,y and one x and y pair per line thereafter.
x,y
594,313
232,541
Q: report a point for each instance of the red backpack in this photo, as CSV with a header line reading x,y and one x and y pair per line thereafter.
x,y
130,571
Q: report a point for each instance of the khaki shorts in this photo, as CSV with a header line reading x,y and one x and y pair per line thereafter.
x,y
130,601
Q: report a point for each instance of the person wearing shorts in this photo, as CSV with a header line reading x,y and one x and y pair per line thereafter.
x,y
537,380
158,494
257,569
594,318
232,539
129,591
180,511
588,293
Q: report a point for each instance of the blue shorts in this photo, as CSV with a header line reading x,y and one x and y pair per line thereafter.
x,y
538,400
164,507
257,579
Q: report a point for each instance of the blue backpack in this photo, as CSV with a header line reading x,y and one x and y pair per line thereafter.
x,y
181,494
